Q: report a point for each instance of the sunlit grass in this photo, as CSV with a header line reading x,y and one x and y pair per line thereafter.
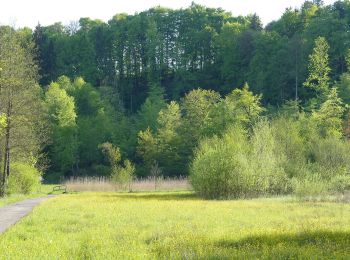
x,y
178,225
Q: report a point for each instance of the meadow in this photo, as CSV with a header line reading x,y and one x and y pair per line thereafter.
x,y
178,225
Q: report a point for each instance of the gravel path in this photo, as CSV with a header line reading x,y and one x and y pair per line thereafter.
x,y
11,214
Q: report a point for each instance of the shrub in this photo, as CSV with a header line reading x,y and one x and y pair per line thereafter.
x,y
280,156
124,175
290,143
220,168
267,160
234,166
121,174
24,179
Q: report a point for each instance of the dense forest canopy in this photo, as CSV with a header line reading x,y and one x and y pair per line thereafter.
x,y
153,87
195,47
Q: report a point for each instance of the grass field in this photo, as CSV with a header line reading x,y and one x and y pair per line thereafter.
x,y
178,225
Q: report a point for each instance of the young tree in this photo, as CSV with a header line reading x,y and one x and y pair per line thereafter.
x,y
147,147
163,146
122,174
169,140
148,113
245,106
196,121
329,117
196,106
319,69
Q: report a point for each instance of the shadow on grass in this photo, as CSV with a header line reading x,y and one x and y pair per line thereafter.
x,y
316,238
178,196
308,245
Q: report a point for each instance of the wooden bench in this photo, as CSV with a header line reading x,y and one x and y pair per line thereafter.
x,y
60,188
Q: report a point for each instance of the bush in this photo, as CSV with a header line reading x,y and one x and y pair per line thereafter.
x,y
220,168
124,175
238,167
290,143
267,161
280,156
24,179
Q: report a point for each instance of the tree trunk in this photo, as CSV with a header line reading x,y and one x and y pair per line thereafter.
x,y
6,170
2,185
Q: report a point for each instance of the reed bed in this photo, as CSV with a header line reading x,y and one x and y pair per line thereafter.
x,y
104,184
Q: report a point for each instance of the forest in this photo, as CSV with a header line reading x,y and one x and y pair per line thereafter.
x,y
241,109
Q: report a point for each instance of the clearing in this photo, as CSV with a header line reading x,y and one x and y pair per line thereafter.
x,y
177,225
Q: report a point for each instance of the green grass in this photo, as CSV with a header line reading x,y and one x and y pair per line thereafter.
x,y
178,225
42,191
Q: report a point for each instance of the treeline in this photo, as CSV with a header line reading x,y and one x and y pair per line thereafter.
x,y
184,49
241,109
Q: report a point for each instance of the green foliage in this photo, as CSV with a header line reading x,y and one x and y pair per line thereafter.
x,y
121,174
147,147
2,123
312,187
290,143
244,105
183,49
196,122
343,87
163,146
329,117
340,183
267,161
236,166
112,153
62,117
319,69
61,107
124,175
23,133
24,179
196,106
149,110
221,167
331,156
285,155
137,62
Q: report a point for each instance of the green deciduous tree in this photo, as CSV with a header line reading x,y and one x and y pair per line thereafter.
x,y
62,116
245,106
19,104
329,117
319,69
148,113
120,173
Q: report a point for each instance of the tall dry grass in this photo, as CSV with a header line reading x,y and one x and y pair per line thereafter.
x,y
103,184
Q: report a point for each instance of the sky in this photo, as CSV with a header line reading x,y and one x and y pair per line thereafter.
x,y
20,13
